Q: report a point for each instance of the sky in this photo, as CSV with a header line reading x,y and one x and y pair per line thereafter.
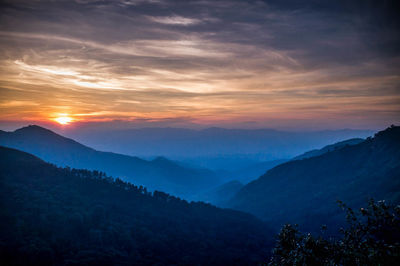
x,y
247,64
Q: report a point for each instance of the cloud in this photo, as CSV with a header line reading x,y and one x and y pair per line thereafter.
x,y
204,60
175,20
17,104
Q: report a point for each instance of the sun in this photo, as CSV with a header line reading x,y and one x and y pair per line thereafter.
x,y
63,120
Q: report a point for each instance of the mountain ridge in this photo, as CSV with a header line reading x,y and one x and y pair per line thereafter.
x,y
161,174
328,148
300,190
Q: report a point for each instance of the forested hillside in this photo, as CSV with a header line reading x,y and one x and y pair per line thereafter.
x,y
57,216
305,191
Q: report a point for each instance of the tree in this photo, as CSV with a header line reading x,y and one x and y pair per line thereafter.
x,y
372,237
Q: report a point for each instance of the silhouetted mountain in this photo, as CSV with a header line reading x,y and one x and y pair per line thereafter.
x,y
63,216
328,148
160,173
212,148
305,191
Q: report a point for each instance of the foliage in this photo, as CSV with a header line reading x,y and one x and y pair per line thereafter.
x,y
371,238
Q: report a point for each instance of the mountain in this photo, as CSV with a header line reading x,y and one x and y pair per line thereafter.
x,y
159,173
212,148
305,191
64,216
328,148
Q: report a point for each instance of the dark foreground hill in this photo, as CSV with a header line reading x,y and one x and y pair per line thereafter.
x,y
59,216
161,174
305,191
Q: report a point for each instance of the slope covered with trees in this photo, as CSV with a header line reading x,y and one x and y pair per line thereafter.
x,y
52,215
305,191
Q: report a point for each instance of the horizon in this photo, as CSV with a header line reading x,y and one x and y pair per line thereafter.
x,y
110,126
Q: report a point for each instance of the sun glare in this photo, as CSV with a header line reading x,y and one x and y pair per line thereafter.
x,y
63,120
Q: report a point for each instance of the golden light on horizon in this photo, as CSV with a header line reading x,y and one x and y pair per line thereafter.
x,y
63,120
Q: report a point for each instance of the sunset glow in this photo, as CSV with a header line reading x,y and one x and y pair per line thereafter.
x,y
63,120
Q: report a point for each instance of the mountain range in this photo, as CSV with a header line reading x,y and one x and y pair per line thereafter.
x,y
305,191
64,216
59,214
212,148
221,195
159,173
303,188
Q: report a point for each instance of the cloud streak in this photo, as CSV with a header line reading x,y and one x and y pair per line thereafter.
x,y
175,20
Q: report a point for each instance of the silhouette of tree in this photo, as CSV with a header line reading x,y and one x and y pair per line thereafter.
x,y
372,237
